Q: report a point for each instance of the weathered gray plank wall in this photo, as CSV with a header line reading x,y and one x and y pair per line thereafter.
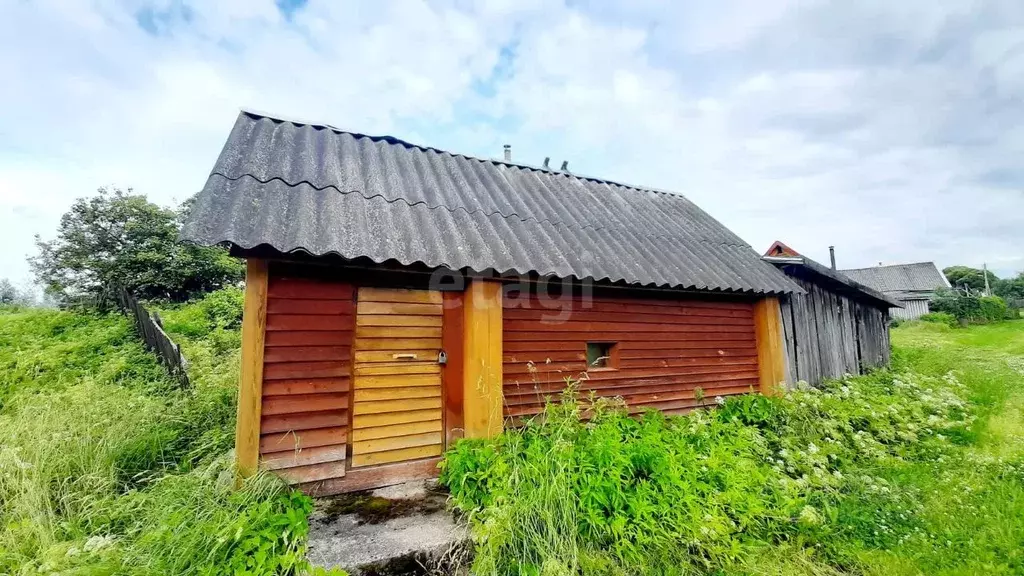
x,y
828,334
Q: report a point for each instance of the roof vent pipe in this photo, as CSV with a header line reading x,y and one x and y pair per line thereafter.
x,y
565,166
832,256
547,159
508,152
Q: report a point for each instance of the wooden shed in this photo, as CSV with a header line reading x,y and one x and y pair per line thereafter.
x,y
400,297
836,326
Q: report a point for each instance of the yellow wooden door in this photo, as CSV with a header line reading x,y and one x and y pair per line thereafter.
x,y
397,411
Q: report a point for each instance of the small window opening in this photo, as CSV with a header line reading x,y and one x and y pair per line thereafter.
x,y
601,355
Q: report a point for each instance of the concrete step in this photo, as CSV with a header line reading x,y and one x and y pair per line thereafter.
x,y
398,530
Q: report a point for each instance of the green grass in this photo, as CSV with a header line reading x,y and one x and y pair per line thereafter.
x,y
918,470
972,503
107,467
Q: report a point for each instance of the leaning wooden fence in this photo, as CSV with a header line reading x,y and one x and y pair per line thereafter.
x,y
151,330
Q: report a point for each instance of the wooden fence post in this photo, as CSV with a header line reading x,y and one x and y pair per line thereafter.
x,y
250,386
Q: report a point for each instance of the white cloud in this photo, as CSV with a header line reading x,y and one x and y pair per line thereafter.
x,y
887,129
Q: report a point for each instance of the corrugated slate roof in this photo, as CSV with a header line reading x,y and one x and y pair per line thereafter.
x,y
314,188
794,265
917,277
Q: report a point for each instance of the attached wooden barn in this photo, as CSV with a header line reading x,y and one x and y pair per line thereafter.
x,y
400,297
836,326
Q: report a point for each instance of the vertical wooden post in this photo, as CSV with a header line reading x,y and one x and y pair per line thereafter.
x,y
482,374
453,333
771,350
250,384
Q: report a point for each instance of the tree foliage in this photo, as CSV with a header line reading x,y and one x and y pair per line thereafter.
x,y
1010,288
973,278
11,295
8,293
117,237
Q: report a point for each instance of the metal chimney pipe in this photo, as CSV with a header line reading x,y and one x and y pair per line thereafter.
x,y
832,256
508,152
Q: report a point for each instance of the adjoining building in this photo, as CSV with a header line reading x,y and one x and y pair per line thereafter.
x,y
836,326
913,285
399,297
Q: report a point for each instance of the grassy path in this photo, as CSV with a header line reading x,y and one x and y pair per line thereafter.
x,y
972,506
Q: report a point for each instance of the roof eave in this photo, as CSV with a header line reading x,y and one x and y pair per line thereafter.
x,y
833,275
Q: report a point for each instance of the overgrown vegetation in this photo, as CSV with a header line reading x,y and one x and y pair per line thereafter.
x,y
107,468
973,281
918,470
971,309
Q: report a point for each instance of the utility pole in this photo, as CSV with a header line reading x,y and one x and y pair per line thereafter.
x,y
984,270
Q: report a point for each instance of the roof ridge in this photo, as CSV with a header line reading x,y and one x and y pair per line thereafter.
x,y
932,262
393,140
475,211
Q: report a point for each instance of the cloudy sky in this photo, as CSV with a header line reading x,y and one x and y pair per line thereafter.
x,y
893,130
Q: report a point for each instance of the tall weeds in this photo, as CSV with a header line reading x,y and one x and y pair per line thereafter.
x,y
587,489
107,468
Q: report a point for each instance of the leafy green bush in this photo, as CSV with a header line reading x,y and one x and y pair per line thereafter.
x,y
992,308
939,318
970,309
700,493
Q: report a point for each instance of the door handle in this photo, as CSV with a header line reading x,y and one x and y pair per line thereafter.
x,y
403,356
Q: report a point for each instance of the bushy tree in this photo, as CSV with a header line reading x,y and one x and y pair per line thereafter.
x,y
11,295
8,293
117,237
1010,288
973,278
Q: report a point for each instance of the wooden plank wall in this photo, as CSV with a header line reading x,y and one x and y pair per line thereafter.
x,y
306,378
666,349
828,334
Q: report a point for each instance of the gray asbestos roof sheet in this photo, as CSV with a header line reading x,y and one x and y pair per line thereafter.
x,y
918,277
313,188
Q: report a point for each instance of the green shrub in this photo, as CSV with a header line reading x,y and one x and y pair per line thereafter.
x,y
939,318
992,308
610,493
970,309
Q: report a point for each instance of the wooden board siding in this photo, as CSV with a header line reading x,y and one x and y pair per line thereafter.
x,y
828,334
304,432
665,349
397,402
